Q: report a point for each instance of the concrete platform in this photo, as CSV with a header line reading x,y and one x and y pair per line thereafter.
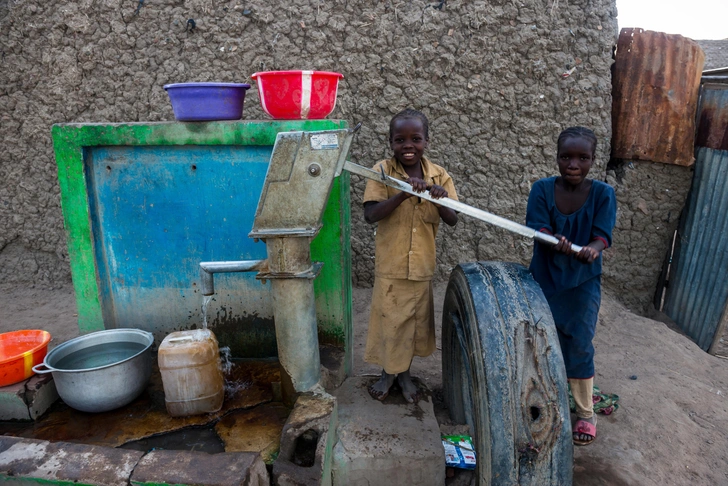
x,y
390,442
200,469
29,461
307,442
28,399
38,461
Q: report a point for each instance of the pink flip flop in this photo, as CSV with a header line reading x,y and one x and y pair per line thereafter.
x,y
585,427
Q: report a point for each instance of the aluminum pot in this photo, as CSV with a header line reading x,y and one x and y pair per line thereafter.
x,y
102,370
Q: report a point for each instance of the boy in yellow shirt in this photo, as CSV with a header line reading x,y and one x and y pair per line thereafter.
x,y
401,323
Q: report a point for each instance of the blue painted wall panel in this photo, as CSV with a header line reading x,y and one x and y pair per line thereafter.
x,y
159,211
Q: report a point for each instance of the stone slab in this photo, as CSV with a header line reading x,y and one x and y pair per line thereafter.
x,y
390,442
307,443
28,399
40,394
29,460
12,402
201,469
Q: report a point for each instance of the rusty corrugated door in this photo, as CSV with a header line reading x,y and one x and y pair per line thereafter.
x,y
655,94
697,295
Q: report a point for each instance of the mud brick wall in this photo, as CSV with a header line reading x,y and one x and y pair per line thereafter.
x,y
650,200
497,79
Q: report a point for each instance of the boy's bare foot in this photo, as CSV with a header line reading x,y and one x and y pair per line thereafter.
x,y
409,389
380,390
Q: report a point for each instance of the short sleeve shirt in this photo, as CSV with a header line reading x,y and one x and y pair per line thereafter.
x,y
405,240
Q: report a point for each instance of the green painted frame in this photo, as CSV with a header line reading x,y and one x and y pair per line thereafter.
x,y
69,141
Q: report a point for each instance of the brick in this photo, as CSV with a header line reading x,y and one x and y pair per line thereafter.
x,y
65,462
201,469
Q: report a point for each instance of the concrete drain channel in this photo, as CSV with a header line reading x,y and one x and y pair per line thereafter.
x,y
141,444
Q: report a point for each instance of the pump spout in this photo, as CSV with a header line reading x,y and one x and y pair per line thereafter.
x,y
208,269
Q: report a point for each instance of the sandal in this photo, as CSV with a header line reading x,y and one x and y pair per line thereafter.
x,y
587,428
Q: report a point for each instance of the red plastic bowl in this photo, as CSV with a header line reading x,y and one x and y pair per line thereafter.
x,y
297,95
19,352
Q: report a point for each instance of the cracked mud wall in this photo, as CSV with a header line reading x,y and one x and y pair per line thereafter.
x,y
650,200
491,76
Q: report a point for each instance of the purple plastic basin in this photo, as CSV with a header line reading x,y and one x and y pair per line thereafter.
x,y
207,101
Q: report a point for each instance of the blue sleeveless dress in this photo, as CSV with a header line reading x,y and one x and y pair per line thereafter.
x,y
572,288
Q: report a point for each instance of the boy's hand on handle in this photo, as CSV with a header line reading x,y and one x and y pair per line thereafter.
x,y
418,185
437,191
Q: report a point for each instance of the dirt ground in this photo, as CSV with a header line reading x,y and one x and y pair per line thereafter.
x,y
671,427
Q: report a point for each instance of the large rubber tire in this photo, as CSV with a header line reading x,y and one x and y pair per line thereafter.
x,y
503,375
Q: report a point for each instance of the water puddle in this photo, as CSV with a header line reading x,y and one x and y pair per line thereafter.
x,y
199,439
249,411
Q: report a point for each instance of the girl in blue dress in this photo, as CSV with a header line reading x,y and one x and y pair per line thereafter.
x,y
583,211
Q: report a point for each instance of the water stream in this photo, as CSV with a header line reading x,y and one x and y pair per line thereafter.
x,y
205,302
232,386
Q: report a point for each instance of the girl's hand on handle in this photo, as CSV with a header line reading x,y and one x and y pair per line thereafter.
x,y
587,254
563,246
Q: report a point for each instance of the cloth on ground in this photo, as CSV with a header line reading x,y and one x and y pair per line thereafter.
x,y
605,403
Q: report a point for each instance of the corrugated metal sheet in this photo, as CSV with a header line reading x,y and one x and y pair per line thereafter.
x,y
713,117
655,95
698,291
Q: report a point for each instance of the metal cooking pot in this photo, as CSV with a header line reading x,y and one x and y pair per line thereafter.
x,y
101,371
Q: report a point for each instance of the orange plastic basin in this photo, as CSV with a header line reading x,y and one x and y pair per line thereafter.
x,y
19,352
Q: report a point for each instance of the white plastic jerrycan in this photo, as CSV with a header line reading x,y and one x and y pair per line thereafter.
x,y
189,362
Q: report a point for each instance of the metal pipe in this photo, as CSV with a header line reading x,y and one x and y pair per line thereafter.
x,y
459,207
294,309
208,269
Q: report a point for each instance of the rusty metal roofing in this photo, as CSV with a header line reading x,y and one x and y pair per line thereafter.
x,y
655,95
713,117
697,294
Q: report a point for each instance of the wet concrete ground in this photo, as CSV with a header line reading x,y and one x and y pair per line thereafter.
x,y
251,419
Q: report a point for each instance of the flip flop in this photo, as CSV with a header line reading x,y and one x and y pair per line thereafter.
x,y
585,427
